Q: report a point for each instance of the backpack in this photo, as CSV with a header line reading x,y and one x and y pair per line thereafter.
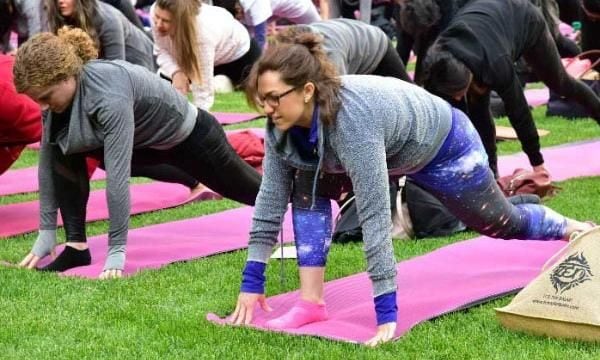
x,y
415,214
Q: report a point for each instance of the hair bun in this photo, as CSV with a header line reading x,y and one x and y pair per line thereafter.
x,y
313,42
83,45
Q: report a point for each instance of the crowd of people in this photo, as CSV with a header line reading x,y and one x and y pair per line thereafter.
x,y
88,80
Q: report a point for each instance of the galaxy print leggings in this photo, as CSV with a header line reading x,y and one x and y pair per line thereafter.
x,y
459,176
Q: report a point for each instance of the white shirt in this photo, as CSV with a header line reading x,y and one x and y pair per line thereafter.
x,y
222,39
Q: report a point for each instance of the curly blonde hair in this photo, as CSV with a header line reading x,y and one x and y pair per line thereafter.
x,y
47,59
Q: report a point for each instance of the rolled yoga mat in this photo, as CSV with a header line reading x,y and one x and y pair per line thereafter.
x,y
537,97
451,278
21,218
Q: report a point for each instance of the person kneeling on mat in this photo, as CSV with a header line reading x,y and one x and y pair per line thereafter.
x,y
112,110
325,132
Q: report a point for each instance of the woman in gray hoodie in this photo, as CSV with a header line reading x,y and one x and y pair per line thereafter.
x,y
112,110
327,134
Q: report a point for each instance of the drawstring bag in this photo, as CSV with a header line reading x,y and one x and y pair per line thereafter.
x,y
579,68
563,300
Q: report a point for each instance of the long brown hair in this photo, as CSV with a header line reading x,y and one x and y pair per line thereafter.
x,y
84,13
298,63
47,59
185,37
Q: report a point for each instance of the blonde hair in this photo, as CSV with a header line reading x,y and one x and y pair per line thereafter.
x,y
185,37
299,61
47,59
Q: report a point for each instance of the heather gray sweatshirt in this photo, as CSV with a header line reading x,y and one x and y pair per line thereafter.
x,y
119,107
384,124
353,46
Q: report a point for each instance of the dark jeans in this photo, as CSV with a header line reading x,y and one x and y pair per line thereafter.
x,y
205,155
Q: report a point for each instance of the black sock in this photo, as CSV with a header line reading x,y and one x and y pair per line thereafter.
x,y
68,259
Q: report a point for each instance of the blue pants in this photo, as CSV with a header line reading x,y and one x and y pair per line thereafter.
x,y
459,176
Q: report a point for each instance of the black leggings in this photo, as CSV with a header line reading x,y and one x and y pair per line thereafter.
x,y
239,69
205,155
391,65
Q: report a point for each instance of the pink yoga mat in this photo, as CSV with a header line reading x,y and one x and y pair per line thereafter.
x,y
563,161
227,118
158,245
26,180
445,280
537,97
23,217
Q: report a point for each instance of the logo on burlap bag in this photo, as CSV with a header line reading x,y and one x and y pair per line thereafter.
x,y
570,273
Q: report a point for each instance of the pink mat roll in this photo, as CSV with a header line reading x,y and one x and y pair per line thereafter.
x,y
159,245
450,278
23,217
26,180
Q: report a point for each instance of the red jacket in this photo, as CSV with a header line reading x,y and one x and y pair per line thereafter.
x,y
20,117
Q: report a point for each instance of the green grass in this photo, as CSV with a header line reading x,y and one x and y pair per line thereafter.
x,y
161,313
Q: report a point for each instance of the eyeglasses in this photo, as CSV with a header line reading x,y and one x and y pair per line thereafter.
x,y
273,100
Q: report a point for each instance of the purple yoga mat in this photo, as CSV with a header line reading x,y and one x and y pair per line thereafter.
x,y
158,245
445,280
23,217
563,161
26,180
537,97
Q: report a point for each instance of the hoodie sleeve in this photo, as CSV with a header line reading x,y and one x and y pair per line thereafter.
x,y
509,88
117,122
361,151
48,202
271,205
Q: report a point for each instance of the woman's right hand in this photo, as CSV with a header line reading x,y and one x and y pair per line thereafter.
x,y
244,309
30,261
181,82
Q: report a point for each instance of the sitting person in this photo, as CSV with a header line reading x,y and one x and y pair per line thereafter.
x,y
476,54
327,134
353,46
112,111
195,41
20,117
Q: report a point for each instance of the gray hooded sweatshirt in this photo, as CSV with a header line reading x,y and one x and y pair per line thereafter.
x,y
383,125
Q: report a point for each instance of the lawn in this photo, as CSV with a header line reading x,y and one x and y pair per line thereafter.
x,y
161,313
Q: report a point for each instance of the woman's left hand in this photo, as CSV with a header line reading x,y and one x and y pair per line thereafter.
x,y
384,334
111,274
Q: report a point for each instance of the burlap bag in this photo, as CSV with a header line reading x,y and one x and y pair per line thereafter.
x,y
564,300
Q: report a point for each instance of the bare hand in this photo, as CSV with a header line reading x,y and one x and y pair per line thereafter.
x,y
242,315
384,334
540,169
111,274
30,261
181,82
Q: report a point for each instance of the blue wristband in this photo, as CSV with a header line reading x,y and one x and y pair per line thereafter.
x,y
260,34
386,308
253,277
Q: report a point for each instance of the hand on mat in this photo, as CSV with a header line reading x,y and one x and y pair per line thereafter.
x,y
242,315
111,274
540,169
384,334
30,261
181,82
